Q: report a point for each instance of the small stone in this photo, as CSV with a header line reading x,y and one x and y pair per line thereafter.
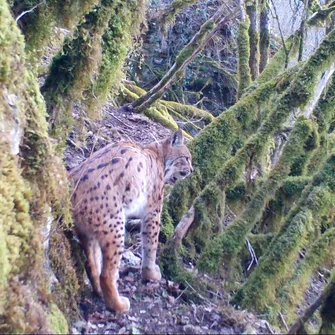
x,y
112,326
215,317
91,325
80,324
130,258
122,330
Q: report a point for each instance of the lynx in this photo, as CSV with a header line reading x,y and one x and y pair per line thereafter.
x,y
119,182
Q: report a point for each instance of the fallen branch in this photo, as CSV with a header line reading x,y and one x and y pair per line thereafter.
x,y
182,227
308,312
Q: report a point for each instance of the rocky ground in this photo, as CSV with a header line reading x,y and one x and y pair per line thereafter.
x,y
159,308
156,308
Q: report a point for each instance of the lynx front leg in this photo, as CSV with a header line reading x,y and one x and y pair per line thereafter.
x,y
150,233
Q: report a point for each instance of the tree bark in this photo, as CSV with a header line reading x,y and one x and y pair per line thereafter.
x,y
327,299
251,9
327,310
243,47
264,43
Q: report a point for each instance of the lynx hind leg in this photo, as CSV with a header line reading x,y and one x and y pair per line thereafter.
x,y
93,266
112,249
150,233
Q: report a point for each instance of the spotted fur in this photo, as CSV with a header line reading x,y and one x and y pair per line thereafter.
x,y
119,182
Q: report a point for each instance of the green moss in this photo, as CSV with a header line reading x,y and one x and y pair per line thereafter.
x,y
320,253
298,94
294,185
325,114
38,25
230,129
90,63
276,209
57,321
62,261
116,42
181,196
321,16
235,192
33,188
67,79
171,12
158,113
189,111
230,241
264,42
276,64
259,292
213,145
167,227
251,9
131,93
259,243
327,310
243,46
197,40
155,115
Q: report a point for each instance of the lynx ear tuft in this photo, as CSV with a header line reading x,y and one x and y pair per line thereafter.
x,y
177,138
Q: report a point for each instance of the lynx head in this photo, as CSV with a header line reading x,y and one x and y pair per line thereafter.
x,y
178,160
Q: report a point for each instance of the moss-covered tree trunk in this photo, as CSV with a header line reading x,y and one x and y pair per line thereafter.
x,y
252,9
222,154
37,20
90,63
327,310
264,28
327,300
33,191
67,78
243,47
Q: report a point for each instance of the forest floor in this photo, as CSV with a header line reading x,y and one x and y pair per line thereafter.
x,y
156,308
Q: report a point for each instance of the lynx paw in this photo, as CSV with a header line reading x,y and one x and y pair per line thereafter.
x,y
151,274
123,305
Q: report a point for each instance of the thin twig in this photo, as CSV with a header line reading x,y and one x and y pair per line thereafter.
x,y
181,294
200,296
281,33
283,321
116,118
195,312
269,327
231,212
252,253
28,11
